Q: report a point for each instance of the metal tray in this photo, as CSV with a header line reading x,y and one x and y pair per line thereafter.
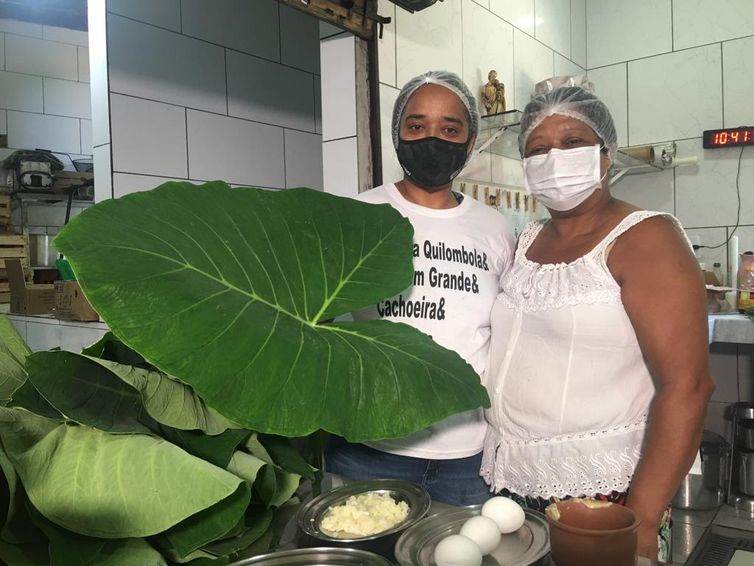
x,y
316,557
416,546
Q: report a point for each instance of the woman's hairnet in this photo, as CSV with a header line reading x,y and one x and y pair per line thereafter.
x,y
566,97
449,80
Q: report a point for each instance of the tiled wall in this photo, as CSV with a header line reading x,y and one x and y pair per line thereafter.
x,y
525,41
669,70
202,91
44,103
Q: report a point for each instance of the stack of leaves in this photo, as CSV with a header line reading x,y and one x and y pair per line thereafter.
x,y
109,461
164,442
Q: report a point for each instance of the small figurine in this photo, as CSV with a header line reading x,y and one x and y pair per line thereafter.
x,y
493,94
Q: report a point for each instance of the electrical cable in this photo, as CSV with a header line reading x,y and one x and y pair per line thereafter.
x,y
738,210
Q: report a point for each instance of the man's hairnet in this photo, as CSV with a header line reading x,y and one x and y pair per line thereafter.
x,y
573,100
449,80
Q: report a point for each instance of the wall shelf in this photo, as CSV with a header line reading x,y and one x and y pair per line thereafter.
x,y
498,134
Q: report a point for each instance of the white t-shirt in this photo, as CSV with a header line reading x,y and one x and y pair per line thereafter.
x,y
460,254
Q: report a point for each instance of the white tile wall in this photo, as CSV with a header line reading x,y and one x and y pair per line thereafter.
x,y
386,44
45,336
565,67
103,173
251,27
328,30
21,92
520,13
21,28
148,137
432,41
706,192
86,137
299,39
657,84
98,72
338,57
150,68
738,82
26,130
697,22
67,98
553,24
340,167
2,51
303,160
39,57
620,31
710,237
478,169
266,92
65,35
164,13
127,183
485,3
506,171
578,32
317,104
533,62
3,122
235,151
487,45
83,57
652,191
610,84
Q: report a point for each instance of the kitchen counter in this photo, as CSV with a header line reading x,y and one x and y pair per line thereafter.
x,y
733,328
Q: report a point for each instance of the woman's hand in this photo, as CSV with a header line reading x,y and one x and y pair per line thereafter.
x,y
647,546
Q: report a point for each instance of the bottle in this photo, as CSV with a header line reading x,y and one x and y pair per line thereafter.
x,y
746,282
717,269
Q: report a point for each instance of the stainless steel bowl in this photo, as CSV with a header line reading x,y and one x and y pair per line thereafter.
x,y
316,557
310,515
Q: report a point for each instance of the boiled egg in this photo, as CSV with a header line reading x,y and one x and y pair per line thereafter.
x,y
508,514
483,531
457,550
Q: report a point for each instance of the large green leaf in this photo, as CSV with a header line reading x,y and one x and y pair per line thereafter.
x,y
169,401
109,485
208,525
86,392
226,289
71,549
13,352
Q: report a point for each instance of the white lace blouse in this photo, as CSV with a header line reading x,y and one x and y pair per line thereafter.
x,y
569,388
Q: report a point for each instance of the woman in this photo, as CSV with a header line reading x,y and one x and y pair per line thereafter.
x,y
598,372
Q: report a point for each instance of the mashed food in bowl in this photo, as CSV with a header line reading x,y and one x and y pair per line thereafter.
x,y
364,515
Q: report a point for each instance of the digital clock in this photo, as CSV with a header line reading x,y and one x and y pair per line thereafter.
x,y
728,137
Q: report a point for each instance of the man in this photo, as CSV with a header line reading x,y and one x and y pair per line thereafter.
x,y
461,248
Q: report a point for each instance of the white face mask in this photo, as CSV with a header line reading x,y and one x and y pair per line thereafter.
x,y
562,179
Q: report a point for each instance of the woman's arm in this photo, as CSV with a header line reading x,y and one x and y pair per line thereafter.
x,y
663,293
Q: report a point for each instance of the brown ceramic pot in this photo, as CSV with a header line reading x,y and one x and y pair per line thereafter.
x,y
588,533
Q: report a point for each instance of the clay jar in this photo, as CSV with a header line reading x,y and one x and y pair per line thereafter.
x,y
585,532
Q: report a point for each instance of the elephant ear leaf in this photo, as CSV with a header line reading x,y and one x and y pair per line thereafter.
x,y
13,354
226,289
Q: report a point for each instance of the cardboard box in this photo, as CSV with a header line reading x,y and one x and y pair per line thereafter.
x,y
71,304
26,298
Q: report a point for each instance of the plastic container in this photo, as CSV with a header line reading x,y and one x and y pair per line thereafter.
x,y
585,532
746,281
717,269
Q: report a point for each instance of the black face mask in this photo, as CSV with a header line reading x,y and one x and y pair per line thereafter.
x,y
431,163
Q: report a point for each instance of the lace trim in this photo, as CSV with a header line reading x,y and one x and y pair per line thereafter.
x,y
560,470
531,286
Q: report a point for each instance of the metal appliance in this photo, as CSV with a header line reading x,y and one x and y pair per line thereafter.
x,y
741,485
708,489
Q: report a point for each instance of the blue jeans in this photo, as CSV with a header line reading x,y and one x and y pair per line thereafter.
x,y
456,481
